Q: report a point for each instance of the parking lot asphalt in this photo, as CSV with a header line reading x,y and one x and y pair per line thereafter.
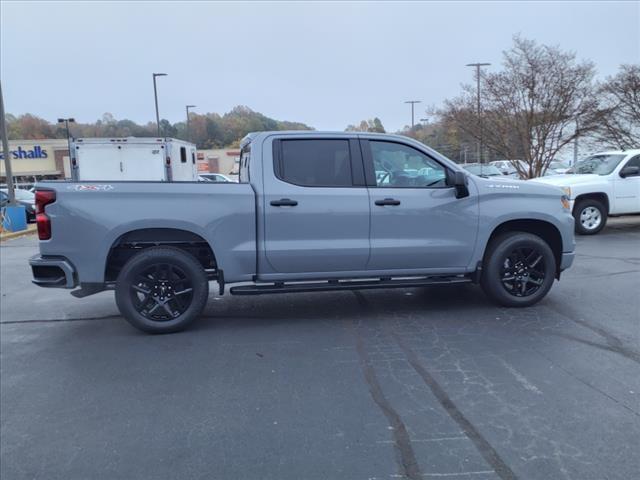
x,y
378,384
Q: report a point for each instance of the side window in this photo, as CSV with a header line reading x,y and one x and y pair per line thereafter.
x,y
315,163
183,154
193,157
634,162
243,173
401,166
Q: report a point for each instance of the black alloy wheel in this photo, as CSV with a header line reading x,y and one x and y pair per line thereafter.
x,y
518,269
162,292
523,272
162,289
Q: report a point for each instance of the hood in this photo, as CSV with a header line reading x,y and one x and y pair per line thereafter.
x,y
505,185
566,180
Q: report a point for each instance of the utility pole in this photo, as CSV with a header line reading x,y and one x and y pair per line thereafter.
x,y
66,122
477,66
7,155
155,96
413,102
575,144
188,107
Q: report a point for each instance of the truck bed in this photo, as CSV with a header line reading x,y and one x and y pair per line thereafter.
x,y
88,219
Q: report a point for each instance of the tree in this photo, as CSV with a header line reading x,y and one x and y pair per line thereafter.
x,y
530,108
373,125
206,131
620,124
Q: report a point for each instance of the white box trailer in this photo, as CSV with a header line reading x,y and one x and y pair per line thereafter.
x,y
133,158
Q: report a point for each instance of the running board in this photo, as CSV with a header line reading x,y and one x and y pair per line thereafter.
x,y
329,285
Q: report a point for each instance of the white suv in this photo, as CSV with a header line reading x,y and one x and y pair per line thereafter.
x,y
603,184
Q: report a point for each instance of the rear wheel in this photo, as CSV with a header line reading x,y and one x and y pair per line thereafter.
x,y
161,290
590,216
518,269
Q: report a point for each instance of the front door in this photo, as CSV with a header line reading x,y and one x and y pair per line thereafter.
x,y
316,206
626,189
416,220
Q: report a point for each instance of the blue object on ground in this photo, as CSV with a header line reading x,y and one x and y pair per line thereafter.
x,y
14,218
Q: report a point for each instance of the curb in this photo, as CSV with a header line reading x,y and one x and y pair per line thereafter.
x,y
31,229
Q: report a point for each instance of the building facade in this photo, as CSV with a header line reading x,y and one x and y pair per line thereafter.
x,y
225,161
33,160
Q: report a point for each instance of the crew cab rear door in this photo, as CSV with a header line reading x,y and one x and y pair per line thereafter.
x,y
316,206
417,223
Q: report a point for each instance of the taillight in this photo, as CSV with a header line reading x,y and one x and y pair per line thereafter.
x,y
168,161
44,198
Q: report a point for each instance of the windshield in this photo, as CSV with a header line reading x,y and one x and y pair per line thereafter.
x,y
597,164
558,165
483,170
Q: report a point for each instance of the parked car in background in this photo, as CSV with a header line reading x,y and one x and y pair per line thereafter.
x,y
556,168
482,170
25,198
309,214
507,167
214,177
602,185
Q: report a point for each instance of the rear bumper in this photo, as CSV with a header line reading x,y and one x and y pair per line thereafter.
x,y
53,272
567,260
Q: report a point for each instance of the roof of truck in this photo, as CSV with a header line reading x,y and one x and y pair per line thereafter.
x,y
250,137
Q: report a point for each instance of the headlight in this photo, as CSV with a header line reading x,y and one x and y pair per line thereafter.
x,y
565,202
567,191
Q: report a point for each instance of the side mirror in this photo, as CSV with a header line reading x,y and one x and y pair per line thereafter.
x,y
630,171
459,181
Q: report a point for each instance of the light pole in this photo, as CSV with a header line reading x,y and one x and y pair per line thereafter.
x,y
66,122
477,66
155,96
188,107
5,151
413,102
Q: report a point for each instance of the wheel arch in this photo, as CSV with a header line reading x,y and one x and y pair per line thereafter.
x,y
599,196
129,243
541,228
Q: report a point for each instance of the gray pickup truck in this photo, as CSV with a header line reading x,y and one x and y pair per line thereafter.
x,y
311,212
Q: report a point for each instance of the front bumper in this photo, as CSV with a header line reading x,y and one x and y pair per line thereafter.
x,y
567,260
53,272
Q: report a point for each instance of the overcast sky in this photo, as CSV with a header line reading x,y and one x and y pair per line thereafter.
x,y
325,64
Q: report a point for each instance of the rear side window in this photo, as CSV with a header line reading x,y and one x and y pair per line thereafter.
x,y
243,170
315,163
183,154
193,157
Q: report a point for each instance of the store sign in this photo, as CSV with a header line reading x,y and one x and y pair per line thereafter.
x,y
35,152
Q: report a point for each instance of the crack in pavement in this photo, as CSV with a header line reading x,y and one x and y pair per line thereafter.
x,y
485,449
406,456
615,344
58,320
630,355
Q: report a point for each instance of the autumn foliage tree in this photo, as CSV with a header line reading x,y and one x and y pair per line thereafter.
x,y
531,107
210,130
372,125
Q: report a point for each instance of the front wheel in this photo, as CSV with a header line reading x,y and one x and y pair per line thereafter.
x,y
590,216
518,269
161,290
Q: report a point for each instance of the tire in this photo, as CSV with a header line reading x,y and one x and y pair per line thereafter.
x,y
590,216
161,290
514,259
